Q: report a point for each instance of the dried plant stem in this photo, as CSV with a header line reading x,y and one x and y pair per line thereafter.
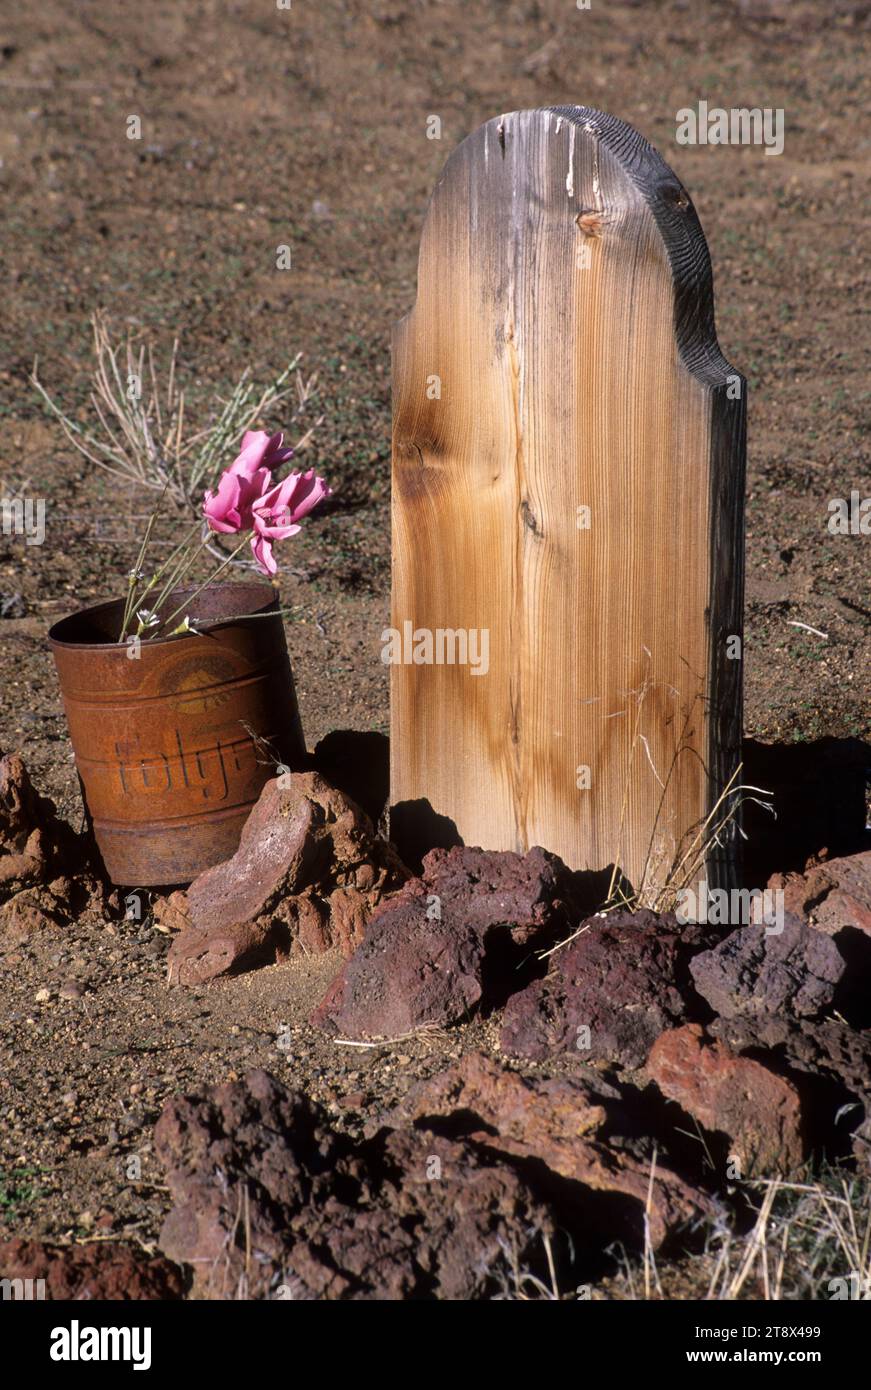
x,y
140,436
638,705
138,597
133,580
207,582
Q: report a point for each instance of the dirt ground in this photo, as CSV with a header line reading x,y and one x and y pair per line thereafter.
x,y
308,127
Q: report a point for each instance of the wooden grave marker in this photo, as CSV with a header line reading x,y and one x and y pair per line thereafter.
x,y
568,479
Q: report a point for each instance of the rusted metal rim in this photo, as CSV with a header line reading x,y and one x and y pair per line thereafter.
x,y
215,607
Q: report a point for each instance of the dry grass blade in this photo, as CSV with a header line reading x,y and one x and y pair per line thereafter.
x,y
426,1030
140,425
756,1244
651,1276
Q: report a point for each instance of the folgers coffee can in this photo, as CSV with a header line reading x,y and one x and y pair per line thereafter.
x,y
174,738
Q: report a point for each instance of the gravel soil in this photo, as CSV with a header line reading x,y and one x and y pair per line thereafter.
x,y
307,127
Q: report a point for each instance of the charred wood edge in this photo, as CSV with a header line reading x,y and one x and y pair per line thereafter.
x,y
699,351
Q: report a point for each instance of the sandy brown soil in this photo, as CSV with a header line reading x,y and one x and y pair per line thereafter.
x,y
308,127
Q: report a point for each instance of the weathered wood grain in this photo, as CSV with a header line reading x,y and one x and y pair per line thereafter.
x,y
561,356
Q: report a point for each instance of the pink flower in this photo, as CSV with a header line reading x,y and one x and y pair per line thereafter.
x,y
260,450
277,513
248,477
229,509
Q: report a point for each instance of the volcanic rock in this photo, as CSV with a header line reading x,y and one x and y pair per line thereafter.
x,y
448,941
35,845
828,1062
758,1111
549,1127
197,956
831,894
828,1048
607,995
758,971
308,871
170,912
427,1217
270,1202
27,912
88,1272
532,1109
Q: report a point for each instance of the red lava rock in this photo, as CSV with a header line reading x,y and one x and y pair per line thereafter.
x,y
34,843
441,1221
197,956
503,1101
759,1112
757,971
862,1145
831,894
103,1270
832,1055
433,952
607,996
827,1048
171,912
308,871
842,910
28,912
270,1202
553,1123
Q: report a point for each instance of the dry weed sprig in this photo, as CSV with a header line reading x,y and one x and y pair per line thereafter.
x,y
665,877
522,1285
140,434
810,1239
426,1030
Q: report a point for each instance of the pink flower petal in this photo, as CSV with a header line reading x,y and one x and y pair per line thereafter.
x,y
229,509
309,491
221,508
261,548
255,444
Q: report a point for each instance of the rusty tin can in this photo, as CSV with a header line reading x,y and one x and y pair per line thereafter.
x,y
175,738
